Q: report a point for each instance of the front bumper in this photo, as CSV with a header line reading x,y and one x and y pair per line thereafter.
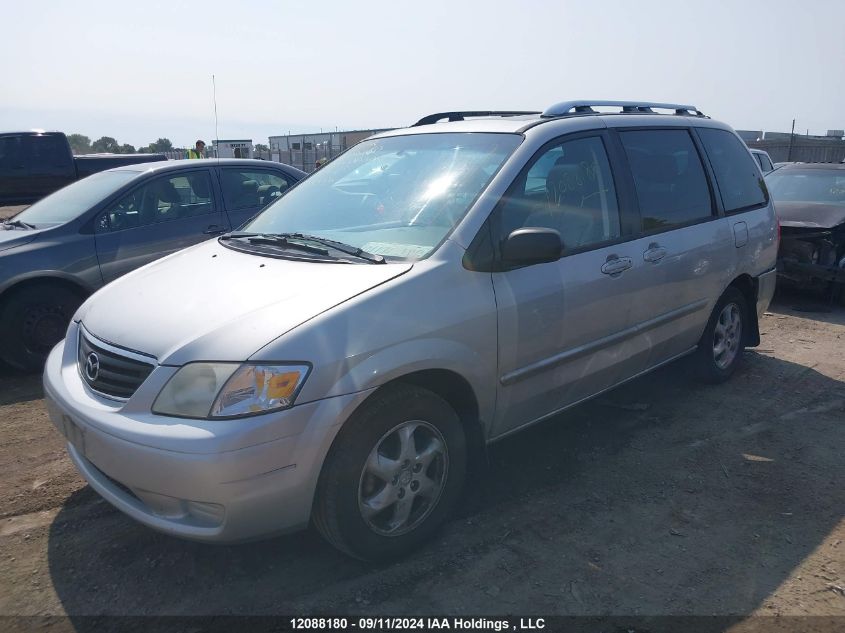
x,y
214,481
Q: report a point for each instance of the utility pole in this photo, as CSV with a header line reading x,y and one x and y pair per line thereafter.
x,y
791,142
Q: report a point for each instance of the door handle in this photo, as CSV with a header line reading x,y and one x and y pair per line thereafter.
x,y
655,253
615,265
215,229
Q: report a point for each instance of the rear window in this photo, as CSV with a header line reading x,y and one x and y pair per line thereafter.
x,y
740,184
45,151
671,186
9,155
35,152
810,185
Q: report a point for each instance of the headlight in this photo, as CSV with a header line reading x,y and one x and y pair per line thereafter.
x,y
229,390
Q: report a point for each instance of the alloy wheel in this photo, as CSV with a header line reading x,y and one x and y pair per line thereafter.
x,y
403,478
727,336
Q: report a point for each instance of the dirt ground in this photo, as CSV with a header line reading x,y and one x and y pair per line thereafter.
x,y
662,497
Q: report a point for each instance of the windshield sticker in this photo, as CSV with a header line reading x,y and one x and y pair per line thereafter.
x,y
396,250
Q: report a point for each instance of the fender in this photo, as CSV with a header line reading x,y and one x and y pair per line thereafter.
x,y
355,374
47,275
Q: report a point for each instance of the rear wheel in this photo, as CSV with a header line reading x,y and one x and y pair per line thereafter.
x,y
32,321
393,474
720,348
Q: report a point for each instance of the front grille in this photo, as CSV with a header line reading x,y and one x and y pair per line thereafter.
x,y
116,375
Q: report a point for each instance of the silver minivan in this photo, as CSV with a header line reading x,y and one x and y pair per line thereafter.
x,y
347,354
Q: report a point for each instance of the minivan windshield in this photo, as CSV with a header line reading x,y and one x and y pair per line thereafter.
x,y
807,185
398,197
69,202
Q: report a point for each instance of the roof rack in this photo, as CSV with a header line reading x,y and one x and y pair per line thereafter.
x,y
628,107
461,115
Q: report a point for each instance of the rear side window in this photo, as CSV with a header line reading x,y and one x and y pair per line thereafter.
x,y
671,186
765,163
740,184
252,189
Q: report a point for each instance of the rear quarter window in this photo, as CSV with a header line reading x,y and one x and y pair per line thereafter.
x,y
739,180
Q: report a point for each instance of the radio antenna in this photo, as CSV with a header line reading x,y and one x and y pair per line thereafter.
x,y
216,129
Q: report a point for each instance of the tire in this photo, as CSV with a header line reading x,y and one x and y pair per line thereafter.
x,y
32,321
729,324
366,470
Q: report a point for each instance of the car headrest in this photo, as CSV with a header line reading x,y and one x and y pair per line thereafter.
x,y
167,192
199,186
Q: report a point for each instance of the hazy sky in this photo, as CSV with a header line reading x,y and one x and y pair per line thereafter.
x,y
140,70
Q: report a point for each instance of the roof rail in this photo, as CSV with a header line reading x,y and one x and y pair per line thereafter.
x,y
643,107
461,115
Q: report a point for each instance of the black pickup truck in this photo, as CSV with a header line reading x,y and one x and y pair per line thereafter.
x,y
34,164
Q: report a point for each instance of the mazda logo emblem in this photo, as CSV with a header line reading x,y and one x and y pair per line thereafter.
x,y
92,366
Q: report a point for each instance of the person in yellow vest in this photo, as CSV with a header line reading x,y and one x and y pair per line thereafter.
x,y
198,151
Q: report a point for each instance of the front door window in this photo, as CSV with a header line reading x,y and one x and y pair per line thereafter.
x,y
161,200
569,188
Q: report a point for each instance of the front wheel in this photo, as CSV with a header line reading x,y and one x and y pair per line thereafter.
x,y
720,348
32,321
393,474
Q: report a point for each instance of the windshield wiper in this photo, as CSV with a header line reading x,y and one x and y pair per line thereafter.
x,y
338,246
275,240
8,224
285,239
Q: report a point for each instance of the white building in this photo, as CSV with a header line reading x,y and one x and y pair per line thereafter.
x,y
339,141
304,150
238,148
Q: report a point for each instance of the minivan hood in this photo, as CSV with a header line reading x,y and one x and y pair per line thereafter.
x,y
213,303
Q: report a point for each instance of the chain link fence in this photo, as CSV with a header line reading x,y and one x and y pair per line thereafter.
x,y
802,149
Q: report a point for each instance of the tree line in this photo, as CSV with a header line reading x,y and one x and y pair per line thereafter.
x,y
81,144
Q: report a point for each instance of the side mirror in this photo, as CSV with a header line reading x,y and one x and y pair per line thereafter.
x,y
532,245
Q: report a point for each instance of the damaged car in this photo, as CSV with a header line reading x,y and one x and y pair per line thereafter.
x,y
810,204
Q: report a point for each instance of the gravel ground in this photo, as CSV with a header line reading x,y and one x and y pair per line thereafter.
x,y
662,497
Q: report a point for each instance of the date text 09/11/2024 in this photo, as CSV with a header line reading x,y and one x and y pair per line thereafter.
x,y
418,624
